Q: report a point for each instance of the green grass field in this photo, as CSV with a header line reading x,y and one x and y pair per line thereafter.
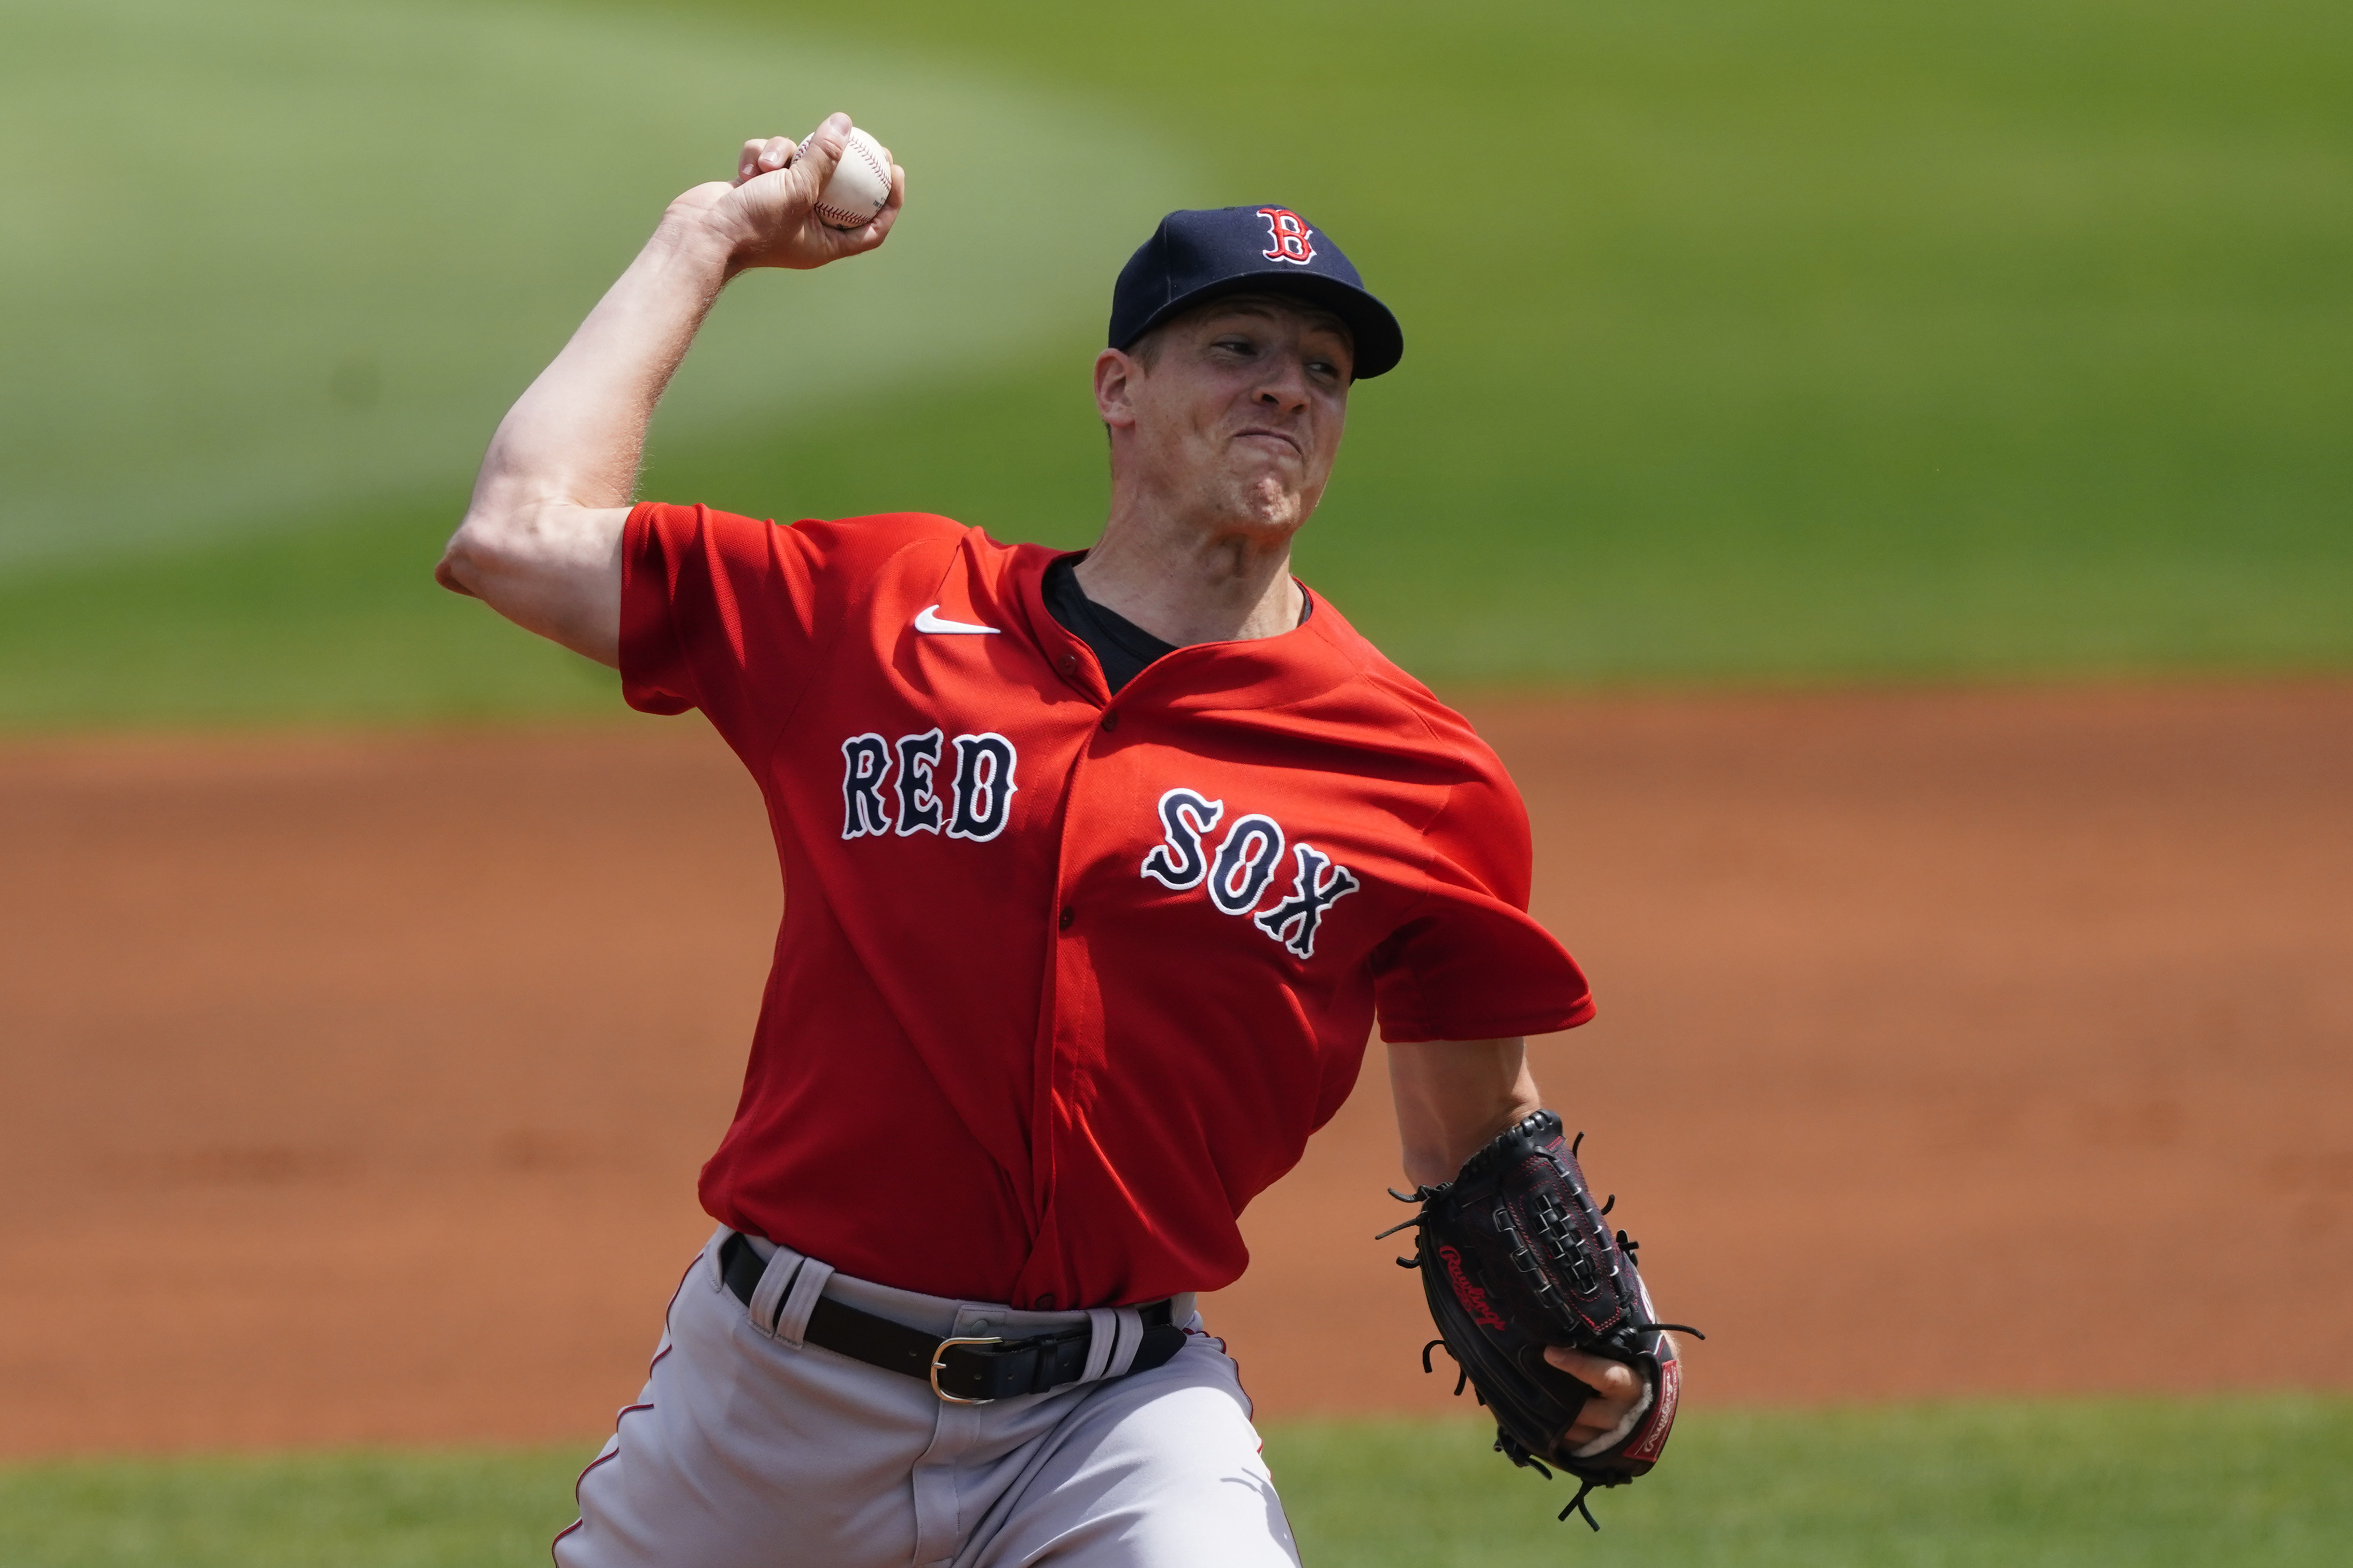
x,y
1824,339
2144,1483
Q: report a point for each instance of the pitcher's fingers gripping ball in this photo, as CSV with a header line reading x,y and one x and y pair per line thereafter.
x,y
1517,1258
860,185
833,193
855,191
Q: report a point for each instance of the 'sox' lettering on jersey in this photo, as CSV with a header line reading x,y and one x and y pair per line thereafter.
x,y
1245,864
1473,1299
977,807
1238,873
984,787
865,759
1186,818
1318,885
1289,236
918,800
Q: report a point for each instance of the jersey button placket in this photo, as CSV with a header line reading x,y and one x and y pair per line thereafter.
x,y
1109,722
1071,1030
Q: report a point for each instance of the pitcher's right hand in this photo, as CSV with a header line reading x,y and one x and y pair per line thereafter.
x,y
767,214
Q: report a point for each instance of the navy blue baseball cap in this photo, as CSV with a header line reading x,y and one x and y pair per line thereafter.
x,y
1196,256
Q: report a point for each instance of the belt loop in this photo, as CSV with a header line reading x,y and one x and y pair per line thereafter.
x,y
792,1320
785,1267
710,1264
1131,1340
1113,1334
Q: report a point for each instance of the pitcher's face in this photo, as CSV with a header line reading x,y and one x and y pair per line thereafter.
x,y
1236,408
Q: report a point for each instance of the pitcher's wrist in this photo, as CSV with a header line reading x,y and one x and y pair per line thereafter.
x,y
693,233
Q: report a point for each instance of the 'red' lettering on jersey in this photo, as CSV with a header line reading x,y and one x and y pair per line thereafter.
x,y
1064,978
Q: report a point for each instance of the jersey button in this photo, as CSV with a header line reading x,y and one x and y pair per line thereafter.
x,y
1068,664
1111,721
1068,916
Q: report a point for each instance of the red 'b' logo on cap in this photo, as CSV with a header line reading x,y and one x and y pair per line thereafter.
x,y
1289,233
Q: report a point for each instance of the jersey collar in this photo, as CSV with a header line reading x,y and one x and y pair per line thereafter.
x,y
1311,658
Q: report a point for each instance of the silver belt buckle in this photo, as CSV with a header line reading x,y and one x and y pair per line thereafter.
x,y
939,1361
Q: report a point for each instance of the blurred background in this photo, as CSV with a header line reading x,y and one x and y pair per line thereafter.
x,y
1879,473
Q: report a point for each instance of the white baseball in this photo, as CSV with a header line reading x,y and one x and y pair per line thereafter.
x,y
860,184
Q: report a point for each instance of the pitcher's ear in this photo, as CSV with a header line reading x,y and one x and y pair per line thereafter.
x,y
1115,374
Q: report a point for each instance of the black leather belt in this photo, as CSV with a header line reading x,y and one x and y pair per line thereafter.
x,y
961,1369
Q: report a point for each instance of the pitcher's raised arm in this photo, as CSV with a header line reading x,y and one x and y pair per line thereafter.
x,y
541,541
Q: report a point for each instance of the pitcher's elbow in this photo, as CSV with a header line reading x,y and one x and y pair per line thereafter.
x,y
471,556
450,574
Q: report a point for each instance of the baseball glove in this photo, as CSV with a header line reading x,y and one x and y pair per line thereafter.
x,y
1516,1256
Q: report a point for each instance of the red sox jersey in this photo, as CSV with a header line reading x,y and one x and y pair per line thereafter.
x,y
1065,978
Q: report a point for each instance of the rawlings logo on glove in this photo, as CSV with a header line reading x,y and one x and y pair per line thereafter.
x,y
1475,1300
1515,1257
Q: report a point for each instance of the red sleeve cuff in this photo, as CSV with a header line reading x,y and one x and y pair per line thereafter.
x,y
1420,1031
655,675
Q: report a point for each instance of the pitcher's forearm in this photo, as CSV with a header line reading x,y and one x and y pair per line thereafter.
x,y
575,435
1453,1097
541,542
542,536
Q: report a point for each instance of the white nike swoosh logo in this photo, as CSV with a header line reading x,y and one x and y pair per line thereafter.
x,y
927,619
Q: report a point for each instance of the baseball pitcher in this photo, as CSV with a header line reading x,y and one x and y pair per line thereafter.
x,y
1100,868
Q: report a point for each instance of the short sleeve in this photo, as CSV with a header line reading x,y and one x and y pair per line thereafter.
x,y
730,614
1469,961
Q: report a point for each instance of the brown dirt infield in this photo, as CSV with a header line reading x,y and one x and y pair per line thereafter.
x,y
352,1090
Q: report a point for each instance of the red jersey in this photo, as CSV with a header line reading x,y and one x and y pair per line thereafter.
x,y
1066,978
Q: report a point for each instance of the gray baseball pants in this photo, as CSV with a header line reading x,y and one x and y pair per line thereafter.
x,y
751,1449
